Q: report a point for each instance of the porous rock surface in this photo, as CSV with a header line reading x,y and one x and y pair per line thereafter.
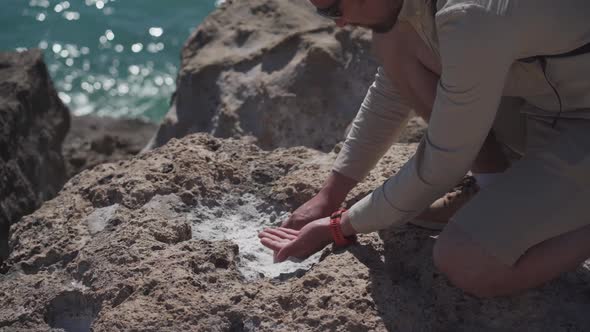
x,y
33,124
116,251
93,140
273,70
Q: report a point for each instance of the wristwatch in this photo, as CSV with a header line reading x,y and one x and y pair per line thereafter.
x,y
339,239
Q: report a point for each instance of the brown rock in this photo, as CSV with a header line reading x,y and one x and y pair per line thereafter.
x,y
33,124
112,251
414,130
273,70
94,140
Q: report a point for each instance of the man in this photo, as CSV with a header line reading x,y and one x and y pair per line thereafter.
x,y
458,58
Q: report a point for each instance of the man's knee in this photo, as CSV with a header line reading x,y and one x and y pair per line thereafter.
x,y
467,265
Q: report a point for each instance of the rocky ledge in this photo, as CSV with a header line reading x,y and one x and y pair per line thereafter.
x,y
33,124
273,71
95,140
41,146
166,242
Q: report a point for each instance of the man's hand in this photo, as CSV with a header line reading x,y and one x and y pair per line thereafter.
x,y
320,206
301,244
324,203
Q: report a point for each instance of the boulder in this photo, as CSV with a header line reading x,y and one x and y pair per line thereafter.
x,y
273,70
166,242
93,140
33,124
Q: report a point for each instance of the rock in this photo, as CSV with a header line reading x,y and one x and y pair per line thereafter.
x,y
279,73
128,246
415,129
94,140
33,124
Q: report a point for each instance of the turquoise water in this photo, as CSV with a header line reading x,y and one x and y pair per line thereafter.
x,y
106,57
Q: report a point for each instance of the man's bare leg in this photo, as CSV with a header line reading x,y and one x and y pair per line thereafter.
x,y
472,269
415,71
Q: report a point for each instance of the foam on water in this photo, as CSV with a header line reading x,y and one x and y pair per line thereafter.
x,y
241,225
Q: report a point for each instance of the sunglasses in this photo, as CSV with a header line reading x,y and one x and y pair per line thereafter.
x,y
333,12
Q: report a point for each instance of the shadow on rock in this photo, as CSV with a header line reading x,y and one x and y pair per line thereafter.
x,y
72,311
411,295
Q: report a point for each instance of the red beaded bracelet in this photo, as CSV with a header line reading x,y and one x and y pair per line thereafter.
x,y
339,239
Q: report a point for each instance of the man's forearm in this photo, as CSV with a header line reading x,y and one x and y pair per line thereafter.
x,y
379,122
337,186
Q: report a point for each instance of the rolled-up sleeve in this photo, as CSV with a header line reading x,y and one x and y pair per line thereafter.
x,y
379,122
475,61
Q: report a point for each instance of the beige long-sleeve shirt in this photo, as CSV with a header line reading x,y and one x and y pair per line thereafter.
x,y
479,43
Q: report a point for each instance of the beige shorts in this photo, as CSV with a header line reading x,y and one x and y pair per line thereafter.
x,y
543,195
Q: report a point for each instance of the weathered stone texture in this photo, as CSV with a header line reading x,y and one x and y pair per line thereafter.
x,y
33,124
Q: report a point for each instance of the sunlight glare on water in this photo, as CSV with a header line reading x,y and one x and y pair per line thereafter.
x,y
106,57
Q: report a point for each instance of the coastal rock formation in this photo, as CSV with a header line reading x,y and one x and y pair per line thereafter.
x,y
273,70
33,124
162,242
94,140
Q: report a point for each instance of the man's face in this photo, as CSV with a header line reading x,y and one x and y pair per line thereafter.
x,y
377,15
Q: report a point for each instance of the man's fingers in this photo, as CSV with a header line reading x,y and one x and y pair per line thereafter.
x,y
272,244
275,232
289,231
282,233
291,249
264,232
272,236
285,252
294,222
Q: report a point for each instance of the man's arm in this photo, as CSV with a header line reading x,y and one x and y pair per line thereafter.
x,y
475,61
379,122
377,125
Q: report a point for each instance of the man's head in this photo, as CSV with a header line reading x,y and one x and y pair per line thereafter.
x,y
377,15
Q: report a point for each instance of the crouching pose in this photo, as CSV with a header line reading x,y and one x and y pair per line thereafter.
x,y
482,73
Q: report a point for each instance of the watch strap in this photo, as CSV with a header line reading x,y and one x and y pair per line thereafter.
x,y
339,239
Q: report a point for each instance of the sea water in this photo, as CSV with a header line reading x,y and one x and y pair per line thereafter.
x,y
106,57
